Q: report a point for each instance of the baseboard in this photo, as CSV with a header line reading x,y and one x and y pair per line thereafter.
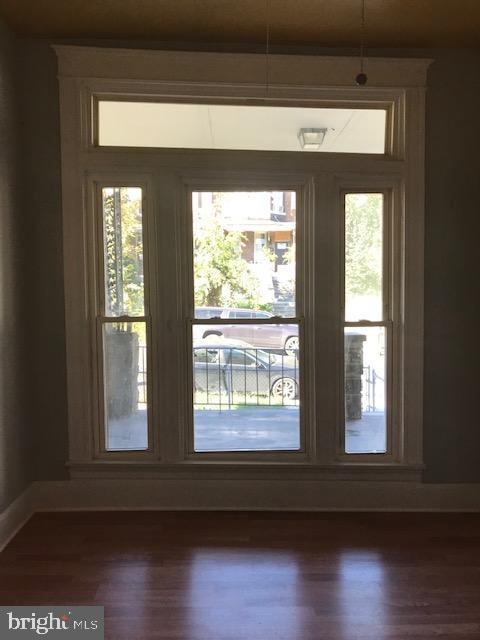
x,y
254,495
234,495
15,516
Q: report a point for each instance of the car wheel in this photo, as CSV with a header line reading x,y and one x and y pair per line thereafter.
x,y
211,333
284,388
292,345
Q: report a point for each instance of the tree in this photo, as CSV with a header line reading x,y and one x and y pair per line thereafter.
x,y
222,276
122,213
363,243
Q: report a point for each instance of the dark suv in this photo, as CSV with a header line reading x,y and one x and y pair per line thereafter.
x,y
266,336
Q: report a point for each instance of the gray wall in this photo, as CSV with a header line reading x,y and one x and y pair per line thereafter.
x,y
42,179
452,271
452,433
14,436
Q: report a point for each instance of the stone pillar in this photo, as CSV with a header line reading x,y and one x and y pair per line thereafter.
x,y
353,375
121,373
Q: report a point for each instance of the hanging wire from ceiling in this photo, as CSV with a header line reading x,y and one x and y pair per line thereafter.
x,y
362,78
267,46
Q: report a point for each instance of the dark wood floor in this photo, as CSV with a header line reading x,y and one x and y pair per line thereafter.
x,y
255,576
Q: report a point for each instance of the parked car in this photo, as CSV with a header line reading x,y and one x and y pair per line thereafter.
x,y
266,336
232,366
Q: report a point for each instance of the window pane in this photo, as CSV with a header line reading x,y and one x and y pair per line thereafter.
x,y
244,253
365,389
246,387
363,256
271,128
123,251
125,384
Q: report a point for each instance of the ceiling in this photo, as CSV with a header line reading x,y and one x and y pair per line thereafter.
x,y
390,23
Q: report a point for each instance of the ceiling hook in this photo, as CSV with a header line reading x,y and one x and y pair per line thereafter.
x,y
362,78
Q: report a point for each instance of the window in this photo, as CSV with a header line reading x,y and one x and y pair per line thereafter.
x,y
367,314
248,399
123,321
237,306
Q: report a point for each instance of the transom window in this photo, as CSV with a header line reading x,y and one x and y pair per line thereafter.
x,y
267,128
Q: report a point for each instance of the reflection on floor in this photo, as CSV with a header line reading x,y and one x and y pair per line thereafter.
x,y
254,576
255,428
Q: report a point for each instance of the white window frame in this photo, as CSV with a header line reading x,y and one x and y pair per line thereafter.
x,y
96,287
302,187
392,278
89,74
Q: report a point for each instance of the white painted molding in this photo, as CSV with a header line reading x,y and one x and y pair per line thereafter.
x,y
252,495
237,68
15,516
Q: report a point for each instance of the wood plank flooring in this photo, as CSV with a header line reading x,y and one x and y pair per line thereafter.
x,y
255,576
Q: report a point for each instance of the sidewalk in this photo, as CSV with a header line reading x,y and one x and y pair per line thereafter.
x,y
248,429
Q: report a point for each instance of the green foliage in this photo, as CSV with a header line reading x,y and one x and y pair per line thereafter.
x,y
363,243
289,256
123,251
222,276
269,255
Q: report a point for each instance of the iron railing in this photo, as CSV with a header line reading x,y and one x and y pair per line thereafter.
x,y
371,399
237,376
244,376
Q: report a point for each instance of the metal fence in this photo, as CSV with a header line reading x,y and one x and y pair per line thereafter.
x,y
234,376
373,389
142,376
244,376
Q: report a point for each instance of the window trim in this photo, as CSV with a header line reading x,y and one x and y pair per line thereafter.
x,y
392,102
85,72
98,317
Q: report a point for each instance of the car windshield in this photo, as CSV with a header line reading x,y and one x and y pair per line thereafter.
x,y
262,356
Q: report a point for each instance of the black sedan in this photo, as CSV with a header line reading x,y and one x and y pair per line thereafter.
x,y
235,367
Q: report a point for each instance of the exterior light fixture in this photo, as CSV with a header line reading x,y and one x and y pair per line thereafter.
x,y
311,139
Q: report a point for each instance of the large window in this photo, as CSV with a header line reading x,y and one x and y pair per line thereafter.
x,y
237,306
245,326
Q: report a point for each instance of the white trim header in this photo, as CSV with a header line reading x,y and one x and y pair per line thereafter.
x,y
238,68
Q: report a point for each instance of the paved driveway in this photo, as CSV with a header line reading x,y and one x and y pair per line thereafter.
x,y
247,429
255,428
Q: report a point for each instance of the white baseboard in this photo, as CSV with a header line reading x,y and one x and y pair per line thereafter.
x,y
255,495
234,495
15,516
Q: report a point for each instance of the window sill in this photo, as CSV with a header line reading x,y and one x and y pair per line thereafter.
x,y
251,470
